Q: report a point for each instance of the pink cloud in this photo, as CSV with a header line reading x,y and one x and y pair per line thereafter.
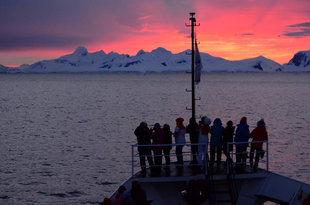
x,y
233,29
144,18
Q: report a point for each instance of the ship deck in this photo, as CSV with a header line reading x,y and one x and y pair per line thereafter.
x,y
188,172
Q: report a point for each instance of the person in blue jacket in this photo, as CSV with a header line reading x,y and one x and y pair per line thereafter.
x,y
241,138
216,142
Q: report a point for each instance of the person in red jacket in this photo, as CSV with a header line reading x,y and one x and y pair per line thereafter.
x,y
258,134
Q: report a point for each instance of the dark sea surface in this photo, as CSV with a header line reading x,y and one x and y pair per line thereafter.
x,y
66,138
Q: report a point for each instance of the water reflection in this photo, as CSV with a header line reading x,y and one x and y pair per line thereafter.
x,y
67,137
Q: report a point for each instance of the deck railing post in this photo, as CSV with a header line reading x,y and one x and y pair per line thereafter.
x,y
206,160
227,161
132,160
267,156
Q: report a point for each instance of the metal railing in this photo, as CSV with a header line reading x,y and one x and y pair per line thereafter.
x,y
263,161
186,154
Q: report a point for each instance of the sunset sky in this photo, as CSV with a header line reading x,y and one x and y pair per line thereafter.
x,y
33,30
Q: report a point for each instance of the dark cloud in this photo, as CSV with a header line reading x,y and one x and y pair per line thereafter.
x,y
306,24
247,34
34,41
58,23
299,30
299,34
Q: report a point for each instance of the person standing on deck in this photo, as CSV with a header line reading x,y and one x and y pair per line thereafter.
x,y
241,139
143,134
192,129
258,134
179,135
167,141
228,136
203,139
216,142
157,137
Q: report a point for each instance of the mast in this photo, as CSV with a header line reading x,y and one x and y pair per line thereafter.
x,y
193,24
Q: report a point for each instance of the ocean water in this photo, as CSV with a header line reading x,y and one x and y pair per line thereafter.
x,y
65,138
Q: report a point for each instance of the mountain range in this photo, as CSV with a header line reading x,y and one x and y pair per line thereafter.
x,y
158,60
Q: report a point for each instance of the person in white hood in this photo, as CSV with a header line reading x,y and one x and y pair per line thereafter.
x,y
204,129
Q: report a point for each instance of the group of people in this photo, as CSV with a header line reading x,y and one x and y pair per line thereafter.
x,y
258,135
220,137
159,136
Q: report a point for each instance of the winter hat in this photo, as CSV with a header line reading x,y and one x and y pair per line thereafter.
x,y
121,189
217,122
143,124
192,120
106,201
166,127
260,123
229,123
243,120
156,126
179,120
206,121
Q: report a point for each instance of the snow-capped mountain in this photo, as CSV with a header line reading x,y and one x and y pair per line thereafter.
x,y
299,63
5,69
258,64
2,67
158,60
